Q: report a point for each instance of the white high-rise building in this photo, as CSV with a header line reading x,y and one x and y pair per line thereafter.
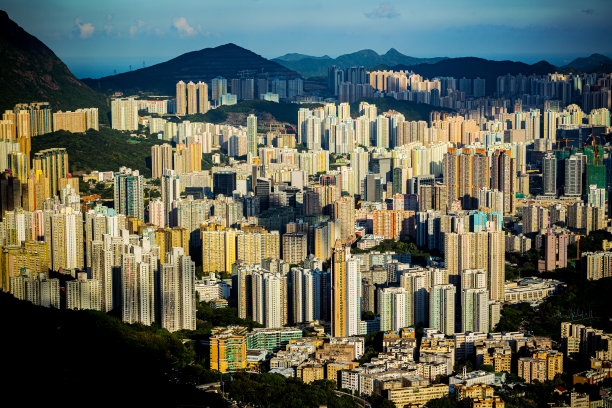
x,y
124,114
177,291
83,293
312,132
475,310
138,286
64,232
344,112
417,284
353,296
597,196
37,290
382,131
307,291
269,298
170,192
442,308
129,193
102,271
394,308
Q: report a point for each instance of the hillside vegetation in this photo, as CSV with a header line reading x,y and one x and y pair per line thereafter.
x,y
281,112
410,110
103,150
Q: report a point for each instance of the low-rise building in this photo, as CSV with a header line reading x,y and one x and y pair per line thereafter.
x,y
416,395
228,348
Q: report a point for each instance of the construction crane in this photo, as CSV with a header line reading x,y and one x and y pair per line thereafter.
x,y
577,245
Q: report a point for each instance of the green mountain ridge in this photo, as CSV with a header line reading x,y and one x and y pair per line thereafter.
x,y
31,72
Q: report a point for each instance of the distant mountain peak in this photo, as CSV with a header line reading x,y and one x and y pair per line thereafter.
x,y
394,52
590,63
228,60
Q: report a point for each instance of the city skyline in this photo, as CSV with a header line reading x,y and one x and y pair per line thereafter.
x,y
97,40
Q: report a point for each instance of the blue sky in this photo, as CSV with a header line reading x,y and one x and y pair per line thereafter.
x,y
97,38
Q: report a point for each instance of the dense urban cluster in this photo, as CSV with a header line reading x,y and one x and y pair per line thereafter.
x,y
369,249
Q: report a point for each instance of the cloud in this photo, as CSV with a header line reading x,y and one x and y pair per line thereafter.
x,y
181,25
135,28
84,30
384,10
588,11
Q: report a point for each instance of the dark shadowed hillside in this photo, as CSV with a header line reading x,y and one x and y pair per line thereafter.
x,y
310,66
226,60
31,72
471,67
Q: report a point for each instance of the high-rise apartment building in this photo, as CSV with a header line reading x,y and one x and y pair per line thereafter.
x,y
574,167
252,135
177,291
309,294
555,252
38,290
442,308
102,263
464,174
161,159
170,192
339,291
41,118
78,121
168,238
83,293
344,210
394,308
269,298
219,87
30,255
503,177
218,248
53,164
124,114
129,193
477,250
64,232
549,174
203,103
474,301
192,98
181,98
295,247
346,292
138,268
254,246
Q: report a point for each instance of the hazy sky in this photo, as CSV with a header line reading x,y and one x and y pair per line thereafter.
x,y
96,38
